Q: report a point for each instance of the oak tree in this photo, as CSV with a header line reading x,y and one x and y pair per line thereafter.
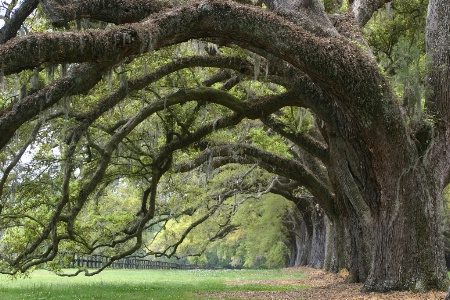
x,y
377,173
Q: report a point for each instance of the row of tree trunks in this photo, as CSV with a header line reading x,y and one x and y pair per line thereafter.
x,y
327,244
386,212
307,238
317,241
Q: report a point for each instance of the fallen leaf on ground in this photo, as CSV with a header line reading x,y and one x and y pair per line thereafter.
x,y
323,285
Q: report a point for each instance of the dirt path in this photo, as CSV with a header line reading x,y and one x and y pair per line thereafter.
x,y
323,286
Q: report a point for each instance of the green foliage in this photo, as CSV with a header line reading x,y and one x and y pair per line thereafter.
x,y
272,143
249,216
114,209
296,119
35,188
259,241
397,38
344,6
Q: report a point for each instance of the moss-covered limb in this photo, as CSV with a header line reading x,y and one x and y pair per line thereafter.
x,y
27,52
139,83
292,169
308,14
12,24
302,140
60,12
254,109
348,27
79,81
333,62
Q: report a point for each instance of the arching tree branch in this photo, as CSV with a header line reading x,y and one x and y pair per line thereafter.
x,y
302,140
346,64
78,81
244,153
364,9
112,11
12,26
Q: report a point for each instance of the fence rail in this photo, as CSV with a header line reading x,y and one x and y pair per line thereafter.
x,y
131,262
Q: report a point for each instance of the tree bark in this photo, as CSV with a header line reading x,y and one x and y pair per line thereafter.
x,y
60,13
334,260
295,233
318,238
363,9
407,237
304,243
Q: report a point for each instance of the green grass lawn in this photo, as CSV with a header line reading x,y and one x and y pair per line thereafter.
x,y
139,284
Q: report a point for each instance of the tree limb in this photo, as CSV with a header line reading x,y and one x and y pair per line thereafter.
x,y
9,30
244,153
302,140
79,81
61,12
364,9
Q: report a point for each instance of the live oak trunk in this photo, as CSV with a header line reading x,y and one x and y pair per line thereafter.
x,y
406,229
318,238
390,203
300,238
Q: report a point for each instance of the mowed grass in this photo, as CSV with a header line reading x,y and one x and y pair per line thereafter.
x,y
140,284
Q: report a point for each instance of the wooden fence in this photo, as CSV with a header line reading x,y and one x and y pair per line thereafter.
x,y
130,262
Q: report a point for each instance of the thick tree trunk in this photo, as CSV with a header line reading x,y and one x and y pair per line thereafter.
x,y
408,250
294,226
293,252
407,238
304,242
389,200
333,248
354,216
356,246
318,239
397,244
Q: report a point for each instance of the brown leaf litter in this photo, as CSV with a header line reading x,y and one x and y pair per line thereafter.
x,y
323,285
